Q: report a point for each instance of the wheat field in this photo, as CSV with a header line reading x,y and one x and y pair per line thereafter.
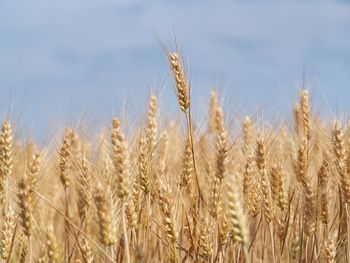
x,y
169,192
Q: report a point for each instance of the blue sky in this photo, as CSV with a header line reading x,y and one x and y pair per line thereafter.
x,y
64,59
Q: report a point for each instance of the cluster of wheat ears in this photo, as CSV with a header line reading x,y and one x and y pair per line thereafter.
x,y
178,194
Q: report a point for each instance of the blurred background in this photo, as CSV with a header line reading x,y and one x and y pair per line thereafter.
x,y
61,60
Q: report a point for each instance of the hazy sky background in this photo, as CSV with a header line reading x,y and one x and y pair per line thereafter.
x,y
62,59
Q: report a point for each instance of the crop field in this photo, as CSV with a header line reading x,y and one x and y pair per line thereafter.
x,y
172,192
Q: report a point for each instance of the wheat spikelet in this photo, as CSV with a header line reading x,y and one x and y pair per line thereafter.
x,y
339,160
120,160
131,214
323,172
256,199
205,239
295,246
248,176
216,202
339,153
42,256
167,209
144,166
324,208
136,197
266,198
34,170
282,228
6,156
267,205
52,252
309,210
26,187
224,231
25,206
236,217
187,165
65,152
322,181
338,144
301,168
221,146
23,251
7,231
305,113
104,211
260,154
220,164
329,251
84,187
181,83
151,134
301,163
6,148
278,192
251,186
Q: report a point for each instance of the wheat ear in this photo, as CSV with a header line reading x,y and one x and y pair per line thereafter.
x,y
104,209
52,251
236,216
305,113
7,231
6,158
181,83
